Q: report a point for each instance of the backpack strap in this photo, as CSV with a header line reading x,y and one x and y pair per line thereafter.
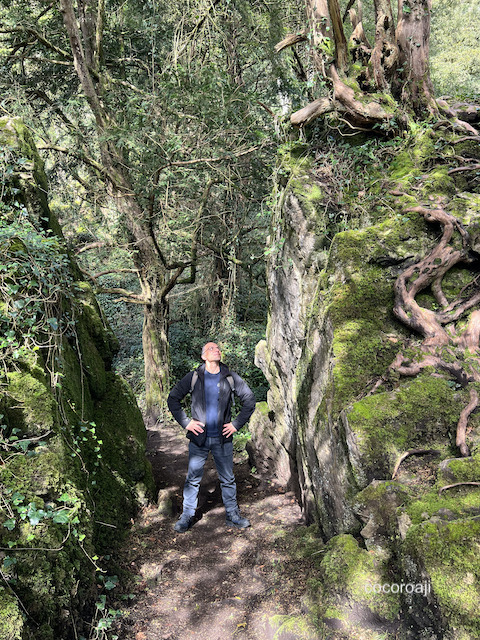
x,y
194,380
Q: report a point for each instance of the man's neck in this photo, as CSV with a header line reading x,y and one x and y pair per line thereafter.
x,y
212,367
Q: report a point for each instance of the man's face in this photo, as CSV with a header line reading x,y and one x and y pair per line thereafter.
x,y
211,352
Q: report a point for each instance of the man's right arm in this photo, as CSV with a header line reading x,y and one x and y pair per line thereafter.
x,y
177,394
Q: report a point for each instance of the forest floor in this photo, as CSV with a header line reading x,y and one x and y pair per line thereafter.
x,y
214,582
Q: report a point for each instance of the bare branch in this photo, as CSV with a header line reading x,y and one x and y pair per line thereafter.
x,y
290,40
126,296
186,163
90,246
349,6
106,272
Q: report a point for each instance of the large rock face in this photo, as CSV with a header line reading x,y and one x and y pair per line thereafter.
x,y
337,420
72,437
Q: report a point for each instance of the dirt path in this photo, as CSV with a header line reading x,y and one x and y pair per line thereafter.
x,y
212,582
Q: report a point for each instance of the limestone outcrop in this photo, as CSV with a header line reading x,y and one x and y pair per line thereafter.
x,y
340,415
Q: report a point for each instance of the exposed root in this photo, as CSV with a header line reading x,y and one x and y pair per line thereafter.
x,y
311,111
458,484
471,167
412,452
441,349
463,422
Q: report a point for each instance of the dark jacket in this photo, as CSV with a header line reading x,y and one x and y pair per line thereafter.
x,y
225,397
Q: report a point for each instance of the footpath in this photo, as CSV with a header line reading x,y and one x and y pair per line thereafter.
x,y
213,582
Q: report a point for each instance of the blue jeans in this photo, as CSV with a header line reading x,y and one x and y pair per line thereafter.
x,y
223,457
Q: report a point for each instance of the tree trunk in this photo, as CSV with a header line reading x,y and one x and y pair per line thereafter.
x,y
149,262
153,279
156,357
396,66
413,38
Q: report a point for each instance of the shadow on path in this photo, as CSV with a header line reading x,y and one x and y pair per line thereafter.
x,y
211,583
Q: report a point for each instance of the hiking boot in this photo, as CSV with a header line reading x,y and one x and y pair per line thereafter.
x,y
183,523
234,519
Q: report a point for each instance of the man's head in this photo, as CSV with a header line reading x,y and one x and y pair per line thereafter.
x,y
211,352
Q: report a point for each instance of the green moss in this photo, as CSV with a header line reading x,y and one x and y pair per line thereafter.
x,y
293,626
421,413
120,427
32,177
92,363
98,328
465,469
402,167
438,181
381,500
306,542
460,502
449,551
263,408
11,618
35,399
410,163
74,384
347,569
455,280
359,347
37,475
314,194
88,464
294,171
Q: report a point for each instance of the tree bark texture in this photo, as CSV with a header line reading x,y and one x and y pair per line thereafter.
x,y
413,38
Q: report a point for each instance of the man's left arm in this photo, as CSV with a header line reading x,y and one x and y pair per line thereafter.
x,y
247,399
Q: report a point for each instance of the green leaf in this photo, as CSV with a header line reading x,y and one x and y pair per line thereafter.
x,y
111,582
61,517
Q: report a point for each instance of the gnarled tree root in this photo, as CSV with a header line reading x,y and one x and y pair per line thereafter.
x,y
443,348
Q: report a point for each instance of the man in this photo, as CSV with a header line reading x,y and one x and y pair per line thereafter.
x,y
211,429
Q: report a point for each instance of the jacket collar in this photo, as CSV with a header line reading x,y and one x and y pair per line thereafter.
x,y
224,370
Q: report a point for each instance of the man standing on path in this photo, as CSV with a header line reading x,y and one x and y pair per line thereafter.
x,y
211,428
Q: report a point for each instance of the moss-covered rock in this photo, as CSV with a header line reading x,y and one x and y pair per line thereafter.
x,y
73,439
351,588
447,552
344,416
11,617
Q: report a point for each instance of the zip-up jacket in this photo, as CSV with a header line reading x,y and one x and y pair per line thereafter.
x,y
225,398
